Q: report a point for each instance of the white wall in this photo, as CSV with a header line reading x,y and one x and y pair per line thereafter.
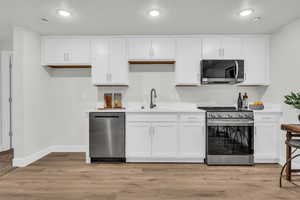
x,y
5,57
5,45
72,95
162,78
285,72
31,97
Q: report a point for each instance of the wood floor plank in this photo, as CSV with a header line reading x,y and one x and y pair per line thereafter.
x,y
65,176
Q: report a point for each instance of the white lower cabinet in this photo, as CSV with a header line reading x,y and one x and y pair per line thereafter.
x,y
266,139
165,138
138,140
192,140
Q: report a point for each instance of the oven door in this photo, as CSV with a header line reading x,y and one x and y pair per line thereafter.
x,y
222,71
230,142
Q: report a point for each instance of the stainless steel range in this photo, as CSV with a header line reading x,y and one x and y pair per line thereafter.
x,y
229,136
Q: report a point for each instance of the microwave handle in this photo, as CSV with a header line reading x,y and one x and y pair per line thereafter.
x,y
237,70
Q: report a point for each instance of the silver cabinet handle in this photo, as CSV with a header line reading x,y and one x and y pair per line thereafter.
x,y
65,57
220,52
223,52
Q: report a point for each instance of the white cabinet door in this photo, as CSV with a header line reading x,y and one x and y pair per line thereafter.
x,y
164,141
232,48
66,51
79,51
211,48
55,51
256,61
265,142
138,140
192,140
162,49
139,48
118,64
188,58
100,61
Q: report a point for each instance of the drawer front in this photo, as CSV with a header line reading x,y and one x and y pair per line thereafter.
x,y
265,118
192,117
149,117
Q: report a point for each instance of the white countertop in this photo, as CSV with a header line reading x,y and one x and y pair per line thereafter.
x,y
177,108
162,108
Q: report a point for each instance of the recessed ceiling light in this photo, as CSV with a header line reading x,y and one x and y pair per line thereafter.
x,y
154,13
64,13
256,19
246,12
44,19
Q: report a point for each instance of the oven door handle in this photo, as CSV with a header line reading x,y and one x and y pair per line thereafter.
x,y
236,70
230,123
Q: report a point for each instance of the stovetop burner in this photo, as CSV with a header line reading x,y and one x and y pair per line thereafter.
x,y
222,109
217,108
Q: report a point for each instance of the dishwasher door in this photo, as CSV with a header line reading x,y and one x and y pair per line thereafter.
x,y
107,136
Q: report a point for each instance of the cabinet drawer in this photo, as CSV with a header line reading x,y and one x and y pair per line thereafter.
x,y
149,117
192,117
265,118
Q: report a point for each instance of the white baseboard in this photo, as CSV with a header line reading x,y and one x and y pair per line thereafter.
x,y
23,162
162,160
68,148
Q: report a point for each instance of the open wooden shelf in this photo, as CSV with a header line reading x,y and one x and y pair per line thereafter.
x,y
152,62
70,66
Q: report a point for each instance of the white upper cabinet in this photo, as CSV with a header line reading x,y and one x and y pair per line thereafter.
x,y
109,62
222,48
139,48
151,49
256,53
232,48
188,58
212,48
62,51
162,49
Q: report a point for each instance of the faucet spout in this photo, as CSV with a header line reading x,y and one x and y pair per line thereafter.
x,y
152,94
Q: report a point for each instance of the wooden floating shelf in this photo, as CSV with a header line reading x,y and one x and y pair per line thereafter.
x,y
70,66
151,62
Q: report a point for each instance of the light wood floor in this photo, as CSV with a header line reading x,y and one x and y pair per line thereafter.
x,y
63,176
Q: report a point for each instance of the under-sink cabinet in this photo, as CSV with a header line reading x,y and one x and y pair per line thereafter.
x,y
165,137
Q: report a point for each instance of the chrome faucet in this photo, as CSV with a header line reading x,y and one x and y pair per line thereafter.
x,y
153,91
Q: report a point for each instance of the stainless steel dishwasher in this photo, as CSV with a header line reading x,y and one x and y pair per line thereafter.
x,y
107,137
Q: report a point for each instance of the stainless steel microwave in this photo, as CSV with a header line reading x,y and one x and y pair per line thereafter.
x,y
222,71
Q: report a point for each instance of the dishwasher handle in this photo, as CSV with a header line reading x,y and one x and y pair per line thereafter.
x,y
106,117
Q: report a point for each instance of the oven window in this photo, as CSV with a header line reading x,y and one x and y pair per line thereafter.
x,y
230,140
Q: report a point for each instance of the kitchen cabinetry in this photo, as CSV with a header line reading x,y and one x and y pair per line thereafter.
x,y
151,49
138,140
188,58
165,138
109,62
192,131
65,51
256,53
222,48
266,138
